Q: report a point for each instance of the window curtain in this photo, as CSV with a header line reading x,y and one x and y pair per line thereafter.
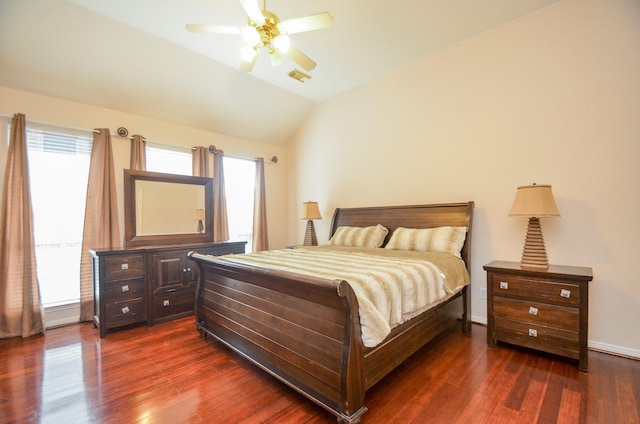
x,y
138,154
101,226
201,166
220,220
21,312
260,237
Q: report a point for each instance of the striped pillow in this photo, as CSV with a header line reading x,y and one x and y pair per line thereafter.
x,y
359,236
439,239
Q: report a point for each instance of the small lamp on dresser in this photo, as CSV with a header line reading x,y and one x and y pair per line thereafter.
x,y
199,216
534,201
310,211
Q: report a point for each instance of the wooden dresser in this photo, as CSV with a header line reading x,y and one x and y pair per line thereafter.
x,y
148,284
547,310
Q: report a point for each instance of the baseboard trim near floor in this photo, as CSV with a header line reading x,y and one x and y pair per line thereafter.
x,y
624,352
59,315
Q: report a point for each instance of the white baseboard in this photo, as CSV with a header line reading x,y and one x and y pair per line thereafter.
x,y
479,320
55,316
614,350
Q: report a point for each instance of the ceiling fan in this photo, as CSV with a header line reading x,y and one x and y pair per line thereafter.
x,y
265,31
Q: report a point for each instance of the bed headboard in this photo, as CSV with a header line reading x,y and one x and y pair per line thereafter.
x,y
414,216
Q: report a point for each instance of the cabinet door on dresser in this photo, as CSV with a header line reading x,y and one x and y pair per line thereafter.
x,y
174,278
173,283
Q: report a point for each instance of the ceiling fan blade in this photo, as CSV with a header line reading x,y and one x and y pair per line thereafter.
x,y
308,23
253,10
247,66
301,58
214,29
275,57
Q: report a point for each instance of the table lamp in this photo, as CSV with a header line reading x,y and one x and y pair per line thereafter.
x,y
535,202
310,212
199,216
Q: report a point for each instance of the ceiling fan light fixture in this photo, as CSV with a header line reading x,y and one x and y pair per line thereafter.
x,y
264,31
282,43
250,35
247,53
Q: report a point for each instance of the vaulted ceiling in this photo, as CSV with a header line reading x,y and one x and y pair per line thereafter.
x,y
137,57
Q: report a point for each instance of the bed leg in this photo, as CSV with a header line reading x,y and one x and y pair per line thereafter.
x,y
466,312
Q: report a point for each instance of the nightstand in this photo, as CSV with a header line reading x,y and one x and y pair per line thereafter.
x,y
547,310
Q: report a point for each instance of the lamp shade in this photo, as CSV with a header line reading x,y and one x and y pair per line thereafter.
x,y
198,214
534,200
310,210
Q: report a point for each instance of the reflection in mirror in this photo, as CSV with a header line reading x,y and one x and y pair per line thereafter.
x,y
163,209
155,215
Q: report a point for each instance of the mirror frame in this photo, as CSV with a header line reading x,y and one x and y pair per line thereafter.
x,y
132,239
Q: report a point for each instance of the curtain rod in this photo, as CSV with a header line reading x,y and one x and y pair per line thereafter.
x,y
67,127
124,133
213,149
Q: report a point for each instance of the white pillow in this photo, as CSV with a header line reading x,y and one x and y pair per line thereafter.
x,y
359,236
438,239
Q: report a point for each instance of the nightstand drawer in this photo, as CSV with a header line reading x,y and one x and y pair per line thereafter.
x,y
557,293
121,267
537,313
553,340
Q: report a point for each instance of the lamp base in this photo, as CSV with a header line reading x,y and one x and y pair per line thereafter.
x,y
310,235
534,254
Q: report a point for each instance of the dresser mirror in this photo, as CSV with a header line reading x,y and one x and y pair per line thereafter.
x,y
165,209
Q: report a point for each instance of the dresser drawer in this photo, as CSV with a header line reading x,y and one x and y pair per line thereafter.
x,y
548,339
537,313
174,304
125,312
116,291
557,293
121,267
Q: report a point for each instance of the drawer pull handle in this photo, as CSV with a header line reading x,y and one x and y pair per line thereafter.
x,y
124,266
165,302
533,333
189,269
172,290
565,293
504,285
533,310
125,288
125,310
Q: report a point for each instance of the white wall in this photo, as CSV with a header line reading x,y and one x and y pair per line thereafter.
x,y
54,111
551,98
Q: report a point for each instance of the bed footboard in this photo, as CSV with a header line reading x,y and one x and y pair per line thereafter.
x,y
305,331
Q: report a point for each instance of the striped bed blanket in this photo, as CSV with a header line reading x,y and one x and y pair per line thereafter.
x,y
391,286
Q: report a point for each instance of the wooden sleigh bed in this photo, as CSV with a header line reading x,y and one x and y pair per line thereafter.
x,y
305,330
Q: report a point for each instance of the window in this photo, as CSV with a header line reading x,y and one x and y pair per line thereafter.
x,y
58,174
169,160
239,179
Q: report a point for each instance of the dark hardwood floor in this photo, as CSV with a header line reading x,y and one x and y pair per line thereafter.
x,y
168,374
